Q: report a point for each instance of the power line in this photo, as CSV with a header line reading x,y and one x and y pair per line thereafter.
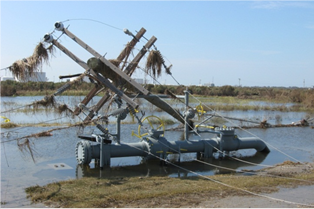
x,y
92,20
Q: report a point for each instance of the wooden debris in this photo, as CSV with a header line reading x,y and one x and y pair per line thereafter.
x,y
264,124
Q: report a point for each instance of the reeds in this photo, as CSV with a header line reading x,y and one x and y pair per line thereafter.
x,y
47,101
25,145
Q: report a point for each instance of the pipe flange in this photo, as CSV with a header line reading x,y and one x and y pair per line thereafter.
x,y
83,152
149,145
80,173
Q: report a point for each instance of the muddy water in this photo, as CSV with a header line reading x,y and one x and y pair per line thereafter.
x,y
55,155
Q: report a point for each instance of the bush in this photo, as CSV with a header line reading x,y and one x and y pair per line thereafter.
x,y
296,96
227,91
7,90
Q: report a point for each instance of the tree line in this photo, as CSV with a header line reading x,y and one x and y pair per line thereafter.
x,y
294,95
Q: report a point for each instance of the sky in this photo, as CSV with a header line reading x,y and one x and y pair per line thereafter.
x,y
247,43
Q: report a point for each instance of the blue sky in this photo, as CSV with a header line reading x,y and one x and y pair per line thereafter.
x,y
263,43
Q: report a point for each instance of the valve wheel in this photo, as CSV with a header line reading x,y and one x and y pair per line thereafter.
x,y
200,110
154,122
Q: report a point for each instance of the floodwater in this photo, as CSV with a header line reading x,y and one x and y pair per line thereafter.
x,y
54,156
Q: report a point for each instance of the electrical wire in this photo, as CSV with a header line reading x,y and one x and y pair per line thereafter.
x,y
92,20
199,135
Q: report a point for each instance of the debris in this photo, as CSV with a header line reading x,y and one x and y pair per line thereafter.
x,y
28,66
264,124
302,122
154,63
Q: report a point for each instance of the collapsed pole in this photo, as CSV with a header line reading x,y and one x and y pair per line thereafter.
x,y
100,79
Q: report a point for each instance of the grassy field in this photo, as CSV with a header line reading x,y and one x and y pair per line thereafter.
x,y
156,191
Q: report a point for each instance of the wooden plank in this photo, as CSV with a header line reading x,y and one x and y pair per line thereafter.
x,y
106,62
131,67
131,44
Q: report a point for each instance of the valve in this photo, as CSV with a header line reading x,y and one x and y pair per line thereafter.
x,y
200,110
6,120
154,122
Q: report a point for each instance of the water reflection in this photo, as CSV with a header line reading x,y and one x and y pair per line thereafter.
x,y
155,168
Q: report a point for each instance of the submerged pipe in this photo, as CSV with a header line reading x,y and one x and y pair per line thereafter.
x,y
156,146
253,143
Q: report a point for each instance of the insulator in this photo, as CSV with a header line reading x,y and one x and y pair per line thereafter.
x,y
59,26
126,31
62,89
161,57
83,107
102,129
48,38
117,112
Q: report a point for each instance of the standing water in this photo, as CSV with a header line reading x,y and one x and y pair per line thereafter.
x,y
52,158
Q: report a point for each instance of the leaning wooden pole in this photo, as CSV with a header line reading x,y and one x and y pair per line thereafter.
x,y
98,78
91,62
105,61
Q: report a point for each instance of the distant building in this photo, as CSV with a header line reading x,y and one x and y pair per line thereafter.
x,y
209,84
139,80
7,78
37,77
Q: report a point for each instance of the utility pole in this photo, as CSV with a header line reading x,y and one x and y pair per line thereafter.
x,y
303,83
239,82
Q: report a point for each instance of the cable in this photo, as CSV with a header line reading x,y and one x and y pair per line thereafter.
x,y
5,68
13,109
5,155
92,20
19,128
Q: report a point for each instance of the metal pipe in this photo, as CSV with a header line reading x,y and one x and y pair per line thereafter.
x,y
186,125
122,150
155,145
244,143
253,143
